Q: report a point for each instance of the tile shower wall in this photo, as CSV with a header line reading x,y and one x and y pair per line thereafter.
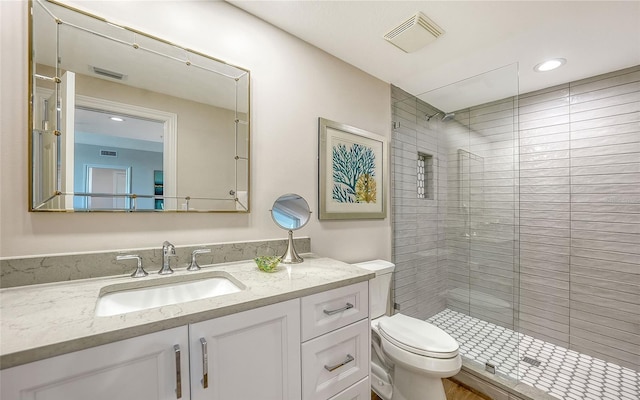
x,y
418,233
481,223
580,216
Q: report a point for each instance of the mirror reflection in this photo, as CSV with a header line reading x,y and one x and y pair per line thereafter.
x,y
125,121
290,211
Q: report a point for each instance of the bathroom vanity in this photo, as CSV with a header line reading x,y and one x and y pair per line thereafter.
x,y
299,333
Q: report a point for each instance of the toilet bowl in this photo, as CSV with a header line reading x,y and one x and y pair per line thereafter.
x,y
409,357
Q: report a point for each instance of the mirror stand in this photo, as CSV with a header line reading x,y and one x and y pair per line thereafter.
x,y
291,255
291,212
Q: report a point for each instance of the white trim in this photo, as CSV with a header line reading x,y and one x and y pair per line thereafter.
x,y
67,140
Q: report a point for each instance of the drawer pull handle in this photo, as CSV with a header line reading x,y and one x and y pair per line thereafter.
x,y
176,350
205,363
334,367
345,308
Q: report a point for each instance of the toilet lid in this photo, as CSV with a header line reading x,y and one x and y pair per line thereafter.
x,y
418,337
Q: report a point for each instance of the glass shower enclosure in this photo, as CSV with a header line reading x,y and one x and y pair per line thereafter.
x,y
470,269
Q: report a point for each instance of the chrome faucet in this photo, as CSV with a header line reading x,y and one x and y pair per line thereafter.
x,y
194,266
139,272
168,251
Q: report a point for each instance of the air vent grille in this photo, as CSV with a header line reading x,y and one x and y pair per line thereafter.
x,y
107,73
414,33
108,153
399,29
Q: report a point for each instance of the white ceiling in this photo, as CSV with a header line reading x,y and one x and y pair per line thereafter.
x,y
98,122
594,36
94,127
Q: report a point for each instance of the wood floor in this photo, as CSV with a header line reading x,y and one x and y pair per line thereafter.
x,y
454,391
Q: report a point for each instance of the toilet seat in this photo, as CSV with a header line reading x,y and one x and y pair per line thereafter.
x,y
417,337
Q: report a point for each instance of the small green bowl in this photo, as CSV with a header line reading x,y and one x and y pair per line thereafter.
x,y
267,263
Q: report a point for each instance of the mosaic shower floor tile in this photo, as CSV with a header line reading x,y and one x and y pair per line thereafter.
x,y
563,373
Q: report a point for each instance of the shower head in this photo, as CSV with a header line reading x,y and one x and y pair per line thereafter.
x,y
445,117
448,116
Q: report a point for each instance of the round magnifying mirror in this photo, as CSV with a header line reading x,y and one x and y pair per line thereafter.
x,y
290,211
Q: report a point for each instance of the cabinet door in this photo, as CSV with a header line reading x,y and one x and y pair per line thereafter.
x,y
335,361
250,355
141,368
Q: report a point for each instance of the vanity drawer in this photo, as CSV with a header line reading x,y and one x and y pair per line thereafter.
x,y
333,362
333,309
359,391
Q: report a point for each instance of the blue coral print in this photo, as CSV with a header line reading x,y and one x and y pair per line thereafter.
x,y
354,174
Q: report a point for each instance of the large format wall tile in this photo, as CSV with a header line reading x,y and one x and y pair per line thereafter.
x,y
419,284
605,217
538,205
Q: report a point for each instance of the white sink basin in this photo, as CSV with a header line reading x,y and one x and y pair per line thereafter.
x,y
125,298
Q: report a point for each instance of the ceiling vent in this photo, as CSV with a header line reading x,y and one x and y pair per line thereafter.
x,y
108,153
415,33
107,73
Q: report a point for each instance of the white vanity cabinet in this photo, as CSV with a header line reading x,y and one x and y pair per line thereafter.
x,y
254,354
141,368
335,348
315,347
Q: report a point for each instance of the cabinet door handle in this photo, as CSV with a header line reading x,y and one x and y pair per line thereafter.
x,y
331,312
334,367
205,363
176,350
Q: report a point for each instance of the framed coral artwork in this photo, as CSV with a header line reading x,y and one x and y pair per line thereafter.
x,y
352,172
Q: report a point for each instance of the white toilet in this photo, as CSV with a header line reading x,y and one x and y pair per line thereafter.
x,y
409,357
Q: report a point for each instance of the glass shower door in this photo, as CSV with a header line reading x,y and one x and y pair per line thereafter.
x,y
481,222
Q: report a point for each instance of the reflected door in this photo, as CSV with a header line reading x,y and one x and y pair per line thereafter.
x,y
103,183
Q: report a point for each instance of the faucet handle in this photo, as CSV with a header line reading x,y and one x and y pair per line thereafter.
x,y
139,272
194,263
168,249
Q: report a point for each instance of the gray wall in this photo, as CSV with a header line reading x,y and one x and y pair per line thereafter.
x,y
481,214
418,224
580,215
564,242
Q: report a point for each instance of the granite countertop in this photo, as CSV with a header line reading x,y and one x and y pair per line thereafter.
x,y
41,321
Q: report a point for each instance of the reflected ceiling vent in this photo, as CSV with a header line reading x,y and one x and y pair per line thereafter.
x,y
107,73
108,153
415,33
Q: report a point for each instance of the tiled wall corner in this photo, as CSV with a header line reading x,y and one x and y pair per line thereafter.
x,y
419,285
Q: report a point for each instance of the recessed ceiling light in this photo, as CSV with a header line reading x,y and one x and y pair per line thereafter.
x,y
549,65
117,119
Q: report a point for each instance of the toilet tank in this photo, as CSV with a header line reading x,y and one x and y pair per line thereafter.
x,y
380,286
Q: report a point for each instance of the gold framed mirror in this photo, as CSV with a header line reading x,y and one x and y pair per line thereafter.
x,y
124,121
